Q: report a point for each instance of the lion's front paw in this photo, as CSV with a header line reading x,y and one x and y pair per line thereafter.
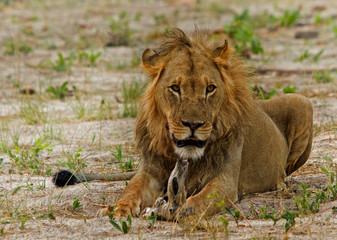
x,y
127,207
104,211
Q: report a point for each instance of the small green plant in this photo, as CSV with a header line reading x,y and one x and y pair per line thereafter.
x,y
118,155
241,30
289,216
29,159
152,220
23,220
105,110
332,187
89,59
265,215
323,77
305,204
63,64
318,55
58,92
290,17
334,30
289,89
318,19
120,29
76,203
12,48
304,56
131,94
262,94
236,215
225,223
124,227
33,113
75,162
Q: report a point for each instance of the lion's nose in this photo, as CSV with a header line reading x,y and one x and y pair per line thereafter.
x,y
193,125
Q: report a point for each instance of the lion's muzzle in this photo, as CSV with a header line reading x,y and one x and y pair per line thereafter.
x,y
191,141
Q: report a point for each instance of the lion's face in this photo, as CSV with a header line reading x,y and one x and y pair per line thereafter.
x,y
197,95
190,93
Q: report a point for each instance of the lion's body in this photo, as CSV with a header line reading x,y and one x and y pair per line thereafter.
x,y
197,106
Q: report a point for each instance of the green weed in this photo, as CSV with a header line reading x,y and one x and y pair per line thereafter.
x,y
89,58
318,55
307,205
58,92
75,162
290,17
332,187
76,203
23,220
323,77
124,227
318,19
151,220
289,89
12,48
306,55
120,29
131,94
241,30
29,160
266,215
63,64
334,30
33,113
289,216
105,110
123,165
235,215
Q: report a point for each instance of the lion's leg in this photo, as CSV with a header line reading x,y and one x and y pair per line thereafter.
x,y
141,192
298,132
176,194
293,115
224,187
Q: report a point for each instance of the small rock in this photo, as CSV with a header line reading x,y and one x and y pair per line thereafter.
x,y
27,91
306,34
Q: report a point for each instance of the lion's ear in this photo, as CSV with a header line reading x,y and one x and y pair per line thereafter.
x,y
151,63
222,54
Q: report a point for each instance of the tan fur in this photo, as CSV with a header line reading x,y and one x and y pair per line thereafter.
x,y
250,146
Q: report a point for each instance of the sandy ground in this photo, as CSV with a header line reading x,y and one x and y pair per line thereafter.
x,y
31,207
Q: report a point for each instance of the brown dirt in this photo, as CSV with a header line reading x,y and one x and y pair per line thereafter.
x,y
67,26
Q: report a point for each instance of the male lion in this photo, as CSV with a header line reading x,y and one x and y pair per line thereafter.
x,y
197,106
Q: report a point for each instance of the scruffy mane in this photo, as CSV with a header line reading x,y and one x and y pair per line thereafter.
x,y
152,132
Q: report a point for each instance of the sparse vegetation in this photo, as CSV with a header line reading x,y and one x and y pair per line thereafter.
x,y
14,47
131,93
58,92
123,226
323,77
125,163
29,160
241,30
289,89
290,17
63,64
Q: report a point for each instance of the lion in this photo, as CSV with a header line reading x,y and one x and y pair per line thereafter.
x,y
197,106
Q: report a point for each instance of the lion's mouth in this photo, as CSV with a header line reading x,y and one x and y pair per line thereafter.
x,y
191,141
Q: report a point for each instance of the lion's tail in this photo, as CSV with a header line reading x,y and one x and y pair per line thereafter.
x,y
65,177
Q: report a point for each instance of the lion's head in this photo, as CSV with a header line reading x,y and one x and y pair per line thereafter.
x,y
196,95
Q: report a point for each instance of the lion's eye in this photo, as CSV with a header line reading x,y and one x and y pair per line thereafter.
x,y
175,88
210,88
